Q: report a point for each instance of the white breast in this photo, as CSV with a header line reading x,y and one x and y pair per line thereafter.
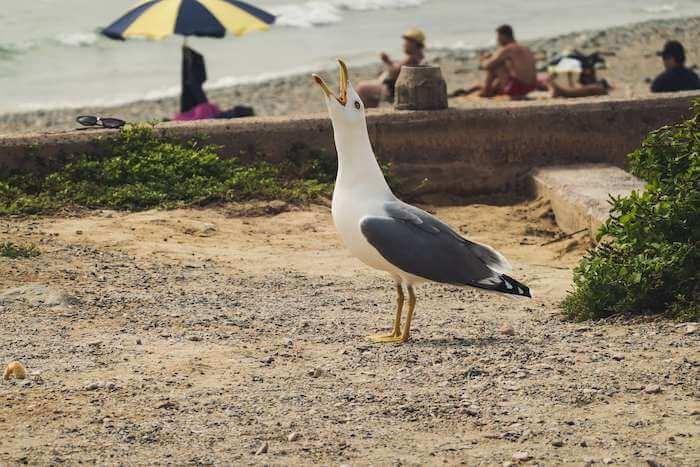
x,y
348,211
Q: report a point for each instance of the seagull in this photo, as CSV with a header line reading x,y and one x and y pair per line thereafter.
x,y
385,233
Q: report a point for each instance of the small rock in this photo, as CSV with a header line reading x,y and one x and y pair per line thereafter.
x,y
583,444
316,372
262,449
194,338
695,412
557,443
14,370
138,342
652,389
268,360
651,462
618,357
293,436
520,456
506,329
168,405
78,232
93,386
690,329
607,460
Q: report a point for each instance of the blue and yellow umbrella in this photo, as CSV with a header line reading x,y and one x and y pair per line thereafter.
x,y
156,19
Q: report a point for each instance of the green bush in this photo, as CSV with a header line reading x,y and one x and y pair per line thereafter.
x,y
648,259
14,251
141,171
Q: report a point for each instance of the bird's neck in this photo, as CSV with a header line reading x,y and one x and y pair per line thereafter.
x,y
357,165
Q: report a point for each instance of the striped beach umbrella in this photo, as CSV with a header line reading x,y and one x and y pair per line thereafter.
x,y
156,19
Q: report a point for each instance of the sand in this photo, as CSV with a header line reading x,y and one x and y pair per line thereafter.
x,y
633,64
204,336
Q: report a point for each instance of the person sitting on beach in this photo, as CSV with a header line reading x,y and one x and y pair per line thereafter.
x,y
676,77
373,92
510,70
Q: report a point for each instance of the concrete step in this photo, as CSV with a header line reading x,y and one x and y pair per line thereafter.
x,y
580,193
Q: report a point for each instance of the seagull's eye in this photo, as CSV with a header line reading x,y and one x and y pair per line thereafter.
x,y
357,105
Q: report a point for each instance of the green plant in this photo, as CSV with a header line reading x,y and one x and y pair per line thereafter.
x,y
648,259
141,170
13,251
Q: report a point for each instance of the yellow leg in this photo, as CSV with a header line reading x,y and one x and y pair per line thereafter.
x,y
411,306
395,335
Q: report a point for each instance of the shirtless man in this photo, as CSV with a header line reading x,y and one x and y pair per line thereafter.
x,y
510,70
373,92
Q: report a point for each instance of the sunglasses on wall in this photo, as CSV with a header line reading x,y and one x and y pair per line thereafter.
x,y
108,122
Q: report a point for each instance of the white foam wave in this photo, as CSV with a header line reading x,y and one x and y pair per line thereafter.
x,y
77,39
660,8
319,13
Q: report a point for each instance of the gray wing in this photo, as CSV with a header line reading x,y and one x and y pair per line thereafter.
x,y
422,245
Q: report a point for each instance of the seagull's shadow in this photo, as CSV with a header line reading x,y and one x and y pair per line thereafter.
x,y
456,342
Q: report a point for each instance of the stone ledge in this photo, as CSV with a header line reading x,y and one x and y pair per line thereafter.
x,y
459,151
580,193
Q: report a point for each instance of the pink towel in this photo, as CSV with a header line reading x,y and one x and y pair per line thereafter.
x,y
199,112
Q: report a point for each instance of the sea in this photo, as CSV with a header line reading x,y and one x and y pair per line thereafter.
x,y
53,56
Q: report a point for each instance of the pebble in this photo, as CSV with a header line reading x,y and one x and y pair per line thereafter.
x,y
608,460
93,386
618,357
316,372
557,443
268,360
651,462
14,370
690,329
138,342
262,449
506,329
652,389
293,436
521,456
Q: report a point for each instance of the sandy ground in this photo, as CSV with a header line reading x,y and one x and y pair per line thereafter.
x,y
207,337
632,63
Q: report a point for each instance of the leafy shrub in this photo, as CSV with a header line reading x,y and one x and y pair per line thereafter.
x,y
648,260
142,170
13,250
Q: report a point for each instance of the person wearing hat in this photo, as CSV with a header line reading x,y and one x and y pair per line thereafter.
x,y
373,92
676,77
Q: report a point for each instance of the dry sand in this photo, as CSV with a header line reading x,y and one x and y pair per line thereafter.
x,y
634,62
205,337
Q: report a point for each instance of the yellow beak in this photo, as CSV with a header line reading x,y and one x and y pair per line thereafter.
x,y
343,79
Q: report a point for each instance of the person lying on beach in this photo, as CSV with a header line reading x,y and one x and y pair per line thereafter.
x,y
373,92
676,77
510,70
588,83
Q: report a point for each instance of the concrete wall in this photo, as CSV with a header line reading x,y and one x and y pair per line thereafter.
x,y
459,151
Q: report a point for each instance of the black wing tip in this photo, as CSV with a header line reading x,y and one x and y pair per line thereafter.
x,y
512,287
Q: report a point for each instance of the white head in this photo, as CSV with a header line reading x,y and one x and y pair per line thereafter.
x,y
346,110
357,166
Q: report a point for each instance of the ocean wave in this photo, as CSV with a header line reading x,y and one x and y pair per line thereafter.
x,y
660,8
319,13
77,39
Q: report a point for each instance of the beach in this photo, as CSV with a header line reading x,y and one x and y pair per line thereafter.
x,y
630,67
207,336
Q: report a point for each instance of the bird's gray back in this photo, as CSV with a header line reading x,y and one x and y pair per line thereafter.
x,y
420,244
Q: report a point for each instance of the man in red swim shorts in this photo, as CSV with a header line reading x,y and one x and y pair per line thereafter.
x,y
510,70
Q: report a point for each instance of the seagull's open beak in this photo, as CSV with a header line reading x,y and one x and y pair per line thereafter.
x,y
343,79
